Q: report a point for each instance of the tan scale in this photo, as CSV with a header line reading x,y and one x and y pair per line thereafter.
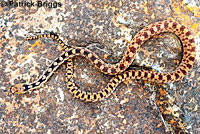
x,y
55,63
50,70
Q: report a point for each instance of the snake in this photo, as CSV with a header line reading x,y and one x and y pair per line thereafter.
x,y
118,70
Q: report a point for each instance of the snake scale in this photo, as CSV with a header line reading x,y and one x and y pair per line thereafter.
x,y
119,68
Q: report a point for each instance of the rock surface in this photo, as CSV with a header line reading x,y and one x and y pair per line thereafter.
x,y
106,28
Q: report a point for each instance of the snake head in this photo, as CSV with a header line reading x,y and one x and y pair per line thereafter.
x,y
16,89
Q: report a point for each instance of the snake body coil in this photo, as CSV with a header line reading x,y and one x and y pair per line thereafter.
x,y
116,69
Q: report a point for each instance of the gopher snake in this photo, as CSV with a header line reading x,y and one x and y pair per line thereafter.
x,y
115,69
